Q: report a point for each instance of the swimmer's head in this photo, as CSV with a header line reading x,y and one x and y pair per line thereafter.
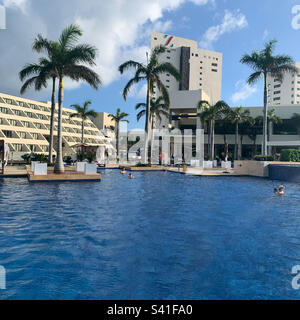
x,y
275,190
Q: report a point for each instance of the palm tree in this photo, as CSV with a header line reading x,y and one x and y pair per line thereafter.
x,y
226,127
211,113
71,61
272,119
151,73
84,113
157,109
254,130
40,73
117,118
245,129
237,116
265,64
203,115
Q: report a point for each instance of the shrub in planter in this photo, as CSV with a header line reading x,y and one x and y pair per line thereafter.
x,y
40,157
143,165
86,156
26,157
263,158
290,155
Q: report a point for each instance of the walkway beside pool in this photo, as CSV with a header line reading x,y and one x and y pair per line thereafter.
x,y
14,171
207,172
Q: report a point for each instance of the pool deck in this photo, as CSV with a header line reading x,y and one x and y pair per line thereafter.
x,y
196,171
70,175
215,172
14,172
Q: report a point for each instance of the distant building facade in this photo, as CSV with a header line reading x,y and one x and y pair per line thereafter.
x,y
201,74
25,126
285,92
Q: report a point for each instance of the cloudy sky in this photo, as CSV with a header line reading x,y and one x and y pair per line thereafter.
x,y
120,29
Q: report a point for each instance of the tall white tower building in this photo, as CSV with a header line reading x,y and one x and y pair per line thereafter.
x,y
286,92
201,75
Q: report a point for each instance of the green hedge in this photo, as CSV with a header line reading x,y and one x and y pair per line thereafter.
x,y
264,158
290,155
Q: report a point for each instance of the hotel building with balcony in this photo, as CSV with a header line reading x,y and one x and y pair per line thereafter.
x,y
25,127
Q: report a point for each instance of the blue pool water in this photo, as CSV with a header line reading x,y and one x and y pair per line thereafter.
x,y
159,236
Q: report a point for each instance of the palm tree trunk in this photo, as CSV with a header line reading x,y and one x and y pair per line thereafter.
x,y
82,135
226,148
212,140
265,122
59,166
147,124
241,151
270,132
254,148
236,141
82,132
117,139
50,160
208,137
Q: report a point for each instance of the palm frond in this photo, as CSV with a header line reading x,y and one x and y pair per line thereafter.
x,y
30,82
69,36
130,65
254,77
140,115
167,68
80,72
83,53
203,105
140,105
28,70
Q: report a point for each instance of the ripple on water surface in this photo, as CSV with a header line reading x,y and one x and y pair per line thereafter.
x,y
159,236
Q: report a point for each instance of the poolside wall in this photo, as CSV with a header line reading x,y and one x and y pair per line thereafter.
x,y
251,168
289,173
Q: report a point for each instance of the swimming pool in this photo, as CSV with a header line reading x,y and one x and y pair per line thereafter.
x,y
160,236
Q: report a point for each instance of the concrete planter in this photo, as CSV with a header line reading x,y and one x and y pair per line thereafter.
x,y
40,169
90,168
195,163
80,166
33,163
226,165
208,164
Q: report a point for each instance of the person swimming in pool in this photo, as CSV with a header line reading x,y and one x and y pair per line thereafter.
x,y
131,176
280,190
123,171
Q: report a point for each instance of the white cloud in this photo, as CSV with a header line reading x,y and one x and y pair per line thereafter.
x,y
115,27
138,92
202,2
17,4
266,34
231,22
244,91
162,26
